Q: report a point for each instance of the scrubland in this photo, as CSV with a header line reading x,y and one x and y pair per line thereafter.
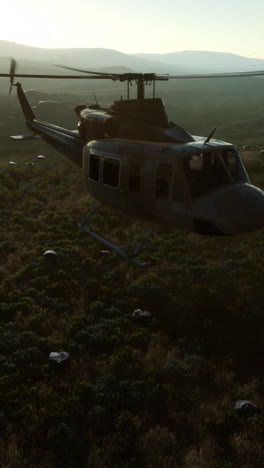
x,y
158,394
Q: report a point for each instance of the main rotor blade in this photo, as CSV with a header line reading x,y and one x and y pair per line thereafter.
x,y
213,75
129,76
99,76
87,71
61,77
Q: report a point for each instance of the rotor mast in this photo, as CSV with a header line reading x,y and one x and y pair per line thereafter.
x,y
140,80
140,87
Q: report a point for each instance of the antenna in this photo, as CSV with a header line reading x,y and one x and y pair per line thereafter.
x,y
209,137
95,98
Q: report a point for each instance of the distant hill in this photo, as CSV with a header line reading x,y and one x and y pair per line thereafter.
x,y
234,106
84,58
207,61
175,62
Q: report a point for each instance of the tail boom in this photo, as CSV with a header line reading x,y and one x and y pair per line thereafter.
x,y
67,142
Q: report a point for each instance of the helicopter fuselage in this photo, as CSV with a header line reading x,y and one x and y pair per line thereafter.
x,y
155,170
191,186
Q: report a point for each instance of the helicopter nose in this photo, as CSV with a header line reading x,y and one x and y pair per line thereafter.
x,y
242,209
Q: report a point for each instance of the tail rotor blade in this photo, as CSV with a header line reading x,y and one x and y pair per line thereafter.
x,y
13,66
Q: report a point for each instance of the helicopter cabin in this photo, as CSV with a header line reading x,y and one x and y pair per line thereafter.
x,y
158,181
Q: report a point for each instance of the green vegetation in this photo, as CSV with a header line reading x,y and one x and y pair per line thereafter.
x,y
130,395
155,395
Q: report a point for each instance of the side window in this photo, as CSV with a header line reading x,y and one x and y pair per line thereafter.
x,y
163,180
94,167
134,180
196,163
177,193
111,172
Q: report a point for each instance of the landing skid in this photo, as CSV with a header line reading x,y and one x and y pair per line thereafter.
x,y
113,247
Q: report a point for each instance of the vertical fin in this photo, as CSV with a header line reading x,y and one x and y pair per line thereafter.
x,y
25,106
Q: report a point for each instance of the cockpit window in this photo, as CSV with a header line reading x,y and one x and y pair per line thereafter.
x,y
196,163
231,160
204,173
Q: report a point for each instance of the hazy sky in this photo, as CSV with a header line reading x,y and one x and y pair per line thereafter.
x,y
132,26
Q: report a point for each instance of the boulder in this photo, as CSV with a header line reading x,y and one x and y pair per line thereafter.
x,y
58,358
246,408
50,255
141,316
105,252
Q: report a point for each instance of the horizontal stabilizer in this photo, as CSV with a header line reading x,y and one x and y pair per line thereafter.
x,y
25,137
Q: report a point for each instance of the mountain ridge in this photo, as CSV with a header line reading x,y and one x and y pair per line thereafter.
x,y
208,61
181,62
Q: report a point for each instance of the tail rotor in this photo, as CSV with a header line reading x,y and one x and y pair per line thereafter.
x,y
13,66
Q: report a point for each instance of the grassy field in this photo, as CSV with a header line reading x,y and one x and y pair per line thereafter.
x,y
159,394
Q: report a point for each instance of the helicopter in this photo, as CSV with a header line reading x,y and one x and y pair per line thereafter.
x,y
136,161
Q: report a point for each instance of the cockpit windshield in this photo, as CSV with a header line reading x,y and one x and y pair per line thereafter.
x,y
233,164
207,171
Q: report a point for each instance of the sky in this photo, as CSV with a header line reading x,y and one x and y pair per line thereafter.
x,y
133,26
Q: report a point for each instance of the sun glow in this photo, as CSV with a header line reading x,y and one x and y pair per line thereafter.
x,y
152,26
